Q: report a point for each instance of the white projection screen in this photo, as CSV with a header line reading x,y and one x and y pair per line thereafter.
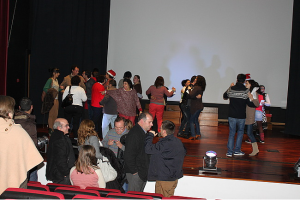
x,y
217,39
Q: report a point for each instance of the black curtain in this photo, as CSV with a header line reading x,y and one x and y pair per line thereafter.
x,y
4,19
293,106
66,33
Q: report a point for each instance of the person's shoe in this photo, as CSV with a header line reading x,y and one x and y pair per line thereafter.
x,y
239,153
248,141
262,141
229,154
198,136
192,138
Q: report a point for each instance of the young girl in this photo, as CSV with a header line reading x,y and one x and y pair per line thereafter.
x,y
86,173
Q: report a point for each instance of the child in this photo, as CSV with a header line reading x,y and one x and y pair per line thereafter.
x,y
86,173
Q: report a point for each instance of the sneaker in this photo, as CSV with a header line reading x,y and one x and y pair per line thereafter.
x,y
239,153
262,141
248,141
229,154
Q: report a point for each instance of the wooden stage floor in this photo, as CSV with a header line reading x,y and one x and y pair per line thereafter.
x,y
274,162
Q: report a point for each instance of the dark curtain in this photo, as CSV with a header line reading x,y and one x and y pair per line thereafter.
x,y
66,33
293,106
4,21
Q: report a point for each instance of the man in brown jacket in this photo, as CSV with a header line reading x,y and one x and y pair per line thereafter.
x,y
67,79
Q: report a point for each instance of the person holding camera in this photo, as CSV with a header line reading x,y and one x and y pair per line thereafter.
x,y
112,138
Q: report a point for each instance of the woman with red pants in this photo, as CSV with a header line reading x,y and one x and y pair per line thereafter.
x,y
157,101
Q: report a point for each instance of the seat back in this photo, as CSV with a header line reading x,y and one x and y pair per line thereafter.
x,y
35,186
20,193
154,195
69,193
53,186
103,191
81,196
126,196
35,182
182,197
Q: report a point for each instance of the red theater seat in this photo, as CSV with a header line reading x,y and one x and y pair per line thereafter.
x,y
35,182
34,186
53,186
154,195
126,196
81,196
20,193
182,197
103,191
69,193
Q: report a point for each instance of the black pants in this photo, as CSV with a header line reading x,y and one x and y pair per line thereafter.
x,y
65,181
74,112
185,109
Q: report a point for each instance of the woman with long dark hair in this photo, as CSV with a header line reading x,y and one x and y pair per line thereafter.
x,y
86,173
157,101
196,106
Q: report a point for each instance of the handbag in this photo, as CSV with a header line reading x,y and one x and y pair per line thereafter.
x,y
109,173
68,100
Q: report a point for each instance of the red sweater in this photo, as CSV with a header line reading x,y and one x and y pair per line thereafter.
x,y
97,96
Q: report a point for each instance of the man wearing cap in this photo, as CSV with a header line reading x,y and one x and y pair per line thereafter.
x,y
110,75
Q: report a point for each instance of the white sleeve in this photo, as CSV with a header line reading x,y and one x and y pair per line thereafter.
x,y
83,95
268,101
66,92
72,169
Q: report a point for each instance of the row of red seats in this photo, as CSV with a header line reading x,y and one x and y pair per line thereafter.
x,y
60,191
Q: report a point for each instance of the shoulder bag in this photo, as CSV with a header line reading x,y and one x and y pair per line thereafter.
x,y
68,99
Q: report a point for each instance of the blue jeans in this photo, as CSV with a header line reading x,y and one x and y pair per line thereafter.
x,y
235,125
194,120
106,120
33,174
250,133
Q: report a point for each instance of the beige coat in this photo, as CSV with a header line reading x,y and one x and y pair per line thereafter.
x,y
18,154
250,112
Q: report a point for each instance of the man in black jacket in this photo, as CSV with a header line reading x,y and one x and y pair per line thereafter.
x,y
135,158
166,161
60,155
239,97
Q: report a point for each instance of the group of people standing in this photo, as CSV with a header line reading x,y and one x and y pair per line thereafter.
x,y
94,96
124,137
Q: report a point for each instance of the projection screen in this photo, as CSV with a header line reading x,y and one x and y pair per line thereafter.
x,y
217,39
